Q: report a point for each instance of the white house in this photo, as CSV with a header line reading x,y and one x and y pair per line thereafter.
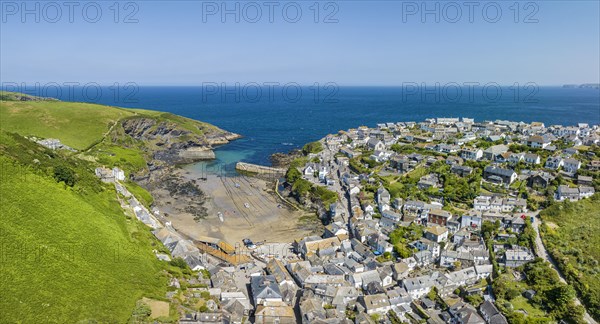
x,y
531,158
119,174
571,165
471,154
554,162
376,145
537,141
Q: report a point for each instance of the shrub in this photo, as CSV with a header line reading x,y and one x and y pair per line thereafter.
x,y
292,175
179,262
64,174
312,147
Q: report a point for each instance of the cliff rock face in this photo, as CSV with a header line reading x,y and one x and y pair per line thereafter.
x,y
173,143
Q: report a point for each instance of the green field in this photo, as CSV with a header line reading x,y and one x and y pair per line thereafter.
x,y
68,253
570,233
77,125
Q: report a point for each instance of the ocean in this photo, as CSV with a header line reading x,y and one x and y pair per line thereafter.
x,y
273,120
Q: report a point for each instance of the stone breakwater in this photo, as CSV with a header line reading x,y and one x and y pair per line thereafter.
x,y
260,169
197,153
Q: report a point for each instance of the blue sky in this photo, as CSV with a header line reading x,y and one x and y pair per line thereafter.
x,y
372,43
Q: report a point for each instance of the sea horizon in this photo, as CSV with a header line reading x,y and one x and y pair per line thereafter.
x,y
278,123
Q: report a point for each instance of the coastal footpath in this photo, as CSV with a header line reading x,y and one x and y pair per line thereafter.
x,y
71,203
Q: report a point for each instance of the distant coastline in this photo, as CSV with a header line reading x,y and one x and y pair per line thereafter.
x,y
269,127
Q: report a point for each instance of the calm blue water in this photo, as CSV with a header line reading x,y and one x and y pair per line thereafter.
x,y
275,123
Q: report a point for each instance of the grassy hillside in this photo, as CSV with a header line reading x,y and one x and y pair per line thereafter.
x,y
69,253
78,125
570,233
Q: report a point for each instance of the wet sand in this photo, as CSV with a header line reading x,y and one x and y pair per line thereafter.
x,y
248,210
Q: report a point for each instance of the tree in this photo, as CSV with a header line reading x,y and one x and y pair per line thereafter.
x,y
178,262
301,187
292,175
312,147
64,174
559,301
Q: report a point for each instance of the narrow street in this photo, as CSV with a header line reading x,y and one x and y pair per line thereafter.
x,y
541,251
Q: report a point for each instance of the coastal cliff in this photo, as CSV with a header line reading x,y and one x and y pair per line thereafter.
x,y
147,145
50,153
167,140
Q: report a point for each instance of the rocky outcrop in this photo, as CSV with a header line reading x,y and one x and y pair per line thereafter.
x,y
170,142
15,96
283,160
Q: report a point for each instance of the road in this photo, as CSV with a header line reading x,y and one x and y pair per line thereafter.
x,y
543,253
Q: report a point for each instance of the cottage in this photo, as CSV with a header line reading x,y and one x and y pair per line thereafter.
x,y
565,192
471,154
491,314
466,315
436,233
540,180
312,310
439,217
400,270
499,175
424,244
349,152
515,158
472,220
554,163
274,312
310,170
265,289
571,165
537,141
517,257
493,151
461,170
531,158
378,303
320,246
383,196
419,286
427,181
375,144
276,268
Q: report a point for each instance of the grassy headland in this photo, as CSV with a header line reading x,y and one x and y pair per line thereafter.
x,y
570,233
69,252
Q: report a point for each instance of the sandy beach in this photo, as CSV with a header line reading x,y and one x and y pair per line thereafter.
x,y
247,205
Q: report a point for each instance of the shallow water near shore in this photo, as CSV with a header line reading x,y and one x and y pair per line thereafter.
x,y
224,164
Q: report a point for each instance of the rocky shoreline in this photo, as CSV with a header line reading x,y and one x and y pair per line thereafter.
x,y
168,146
